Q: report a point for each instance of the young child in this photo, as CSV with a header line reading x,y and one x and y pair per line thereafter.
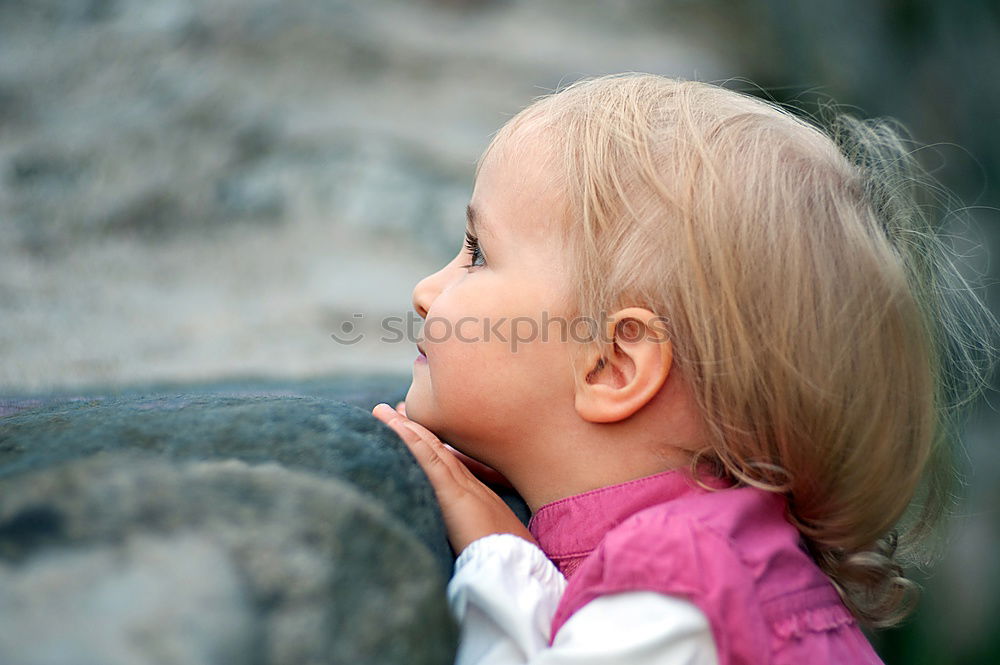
x,y
707,343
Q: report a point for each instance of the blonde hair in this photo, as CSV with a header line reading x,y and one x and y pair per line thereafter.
x,y
813,310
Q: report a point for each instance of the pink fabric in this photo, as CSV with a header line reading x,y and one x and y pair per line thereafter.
x,y
731,552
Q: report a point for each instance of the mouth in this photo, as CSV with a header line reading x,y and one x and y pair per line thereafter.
x,y
421,350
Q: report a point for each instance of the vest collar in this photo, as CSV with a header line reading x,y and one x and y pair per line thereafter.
x,y
569,529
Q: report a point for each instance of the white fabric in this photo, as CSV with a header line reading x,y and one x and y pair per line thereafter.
x,y
505,591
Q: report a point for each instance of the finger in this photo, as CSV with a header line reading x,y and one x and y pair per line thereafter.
x,y
485,473
401,408
384,412
413,433
388,415
424,445
449,478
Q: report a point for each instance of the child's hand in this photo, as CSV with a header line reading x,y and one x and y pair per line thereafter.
x,y
487,474
471,510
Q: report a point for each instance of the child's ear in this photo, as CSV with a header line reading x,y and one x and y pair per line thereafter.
x,y
634,366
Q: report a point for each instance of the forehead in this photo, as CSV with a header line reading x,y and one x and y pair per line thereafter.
x,y
519,189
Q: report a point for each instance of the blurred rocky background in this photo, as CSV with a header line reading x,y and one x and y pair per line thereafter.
x,y
195,195
199,528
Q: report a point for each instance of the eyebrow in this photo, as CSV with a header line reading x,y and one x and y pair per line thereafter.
x,y
475,220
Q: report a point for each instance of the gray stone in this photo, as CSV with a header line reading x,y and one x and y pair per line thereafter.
x,y
133,560
361,390
242,195
318,436
147,599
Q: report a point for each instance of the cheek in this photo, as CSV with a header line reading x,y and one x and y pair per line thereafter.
x,y
492,341
490,382
474,382
462,372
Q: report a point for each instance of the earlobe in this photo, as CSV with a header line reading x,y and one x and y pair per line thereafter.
x,y
631,370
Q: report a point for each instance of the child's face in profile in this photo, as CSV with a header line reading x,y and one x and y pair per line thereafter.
x,y
490,383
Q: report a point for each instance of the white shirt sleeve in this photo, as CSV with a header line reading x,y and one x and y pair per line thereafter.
x,y
504,594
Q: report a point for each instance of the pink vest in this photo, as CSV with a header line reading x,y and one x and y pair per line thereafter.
x,y
730,552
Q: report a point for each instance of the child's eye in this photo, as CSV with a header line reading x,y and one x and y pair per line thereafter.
x,y
472,244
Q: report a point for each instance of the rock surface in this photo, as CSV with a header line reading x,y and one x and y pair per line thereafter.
x,y
265,522
362,390
313,435
126,560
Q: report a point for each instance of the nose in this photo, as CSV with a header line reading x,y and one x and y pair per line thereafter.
x,y
427,290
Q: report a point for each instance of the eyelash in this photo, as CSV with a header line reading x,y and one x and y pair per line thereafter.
x,y
472,244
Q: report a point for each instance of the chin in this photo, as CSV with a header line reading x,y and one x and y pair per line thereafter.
x,y
416,409
419,411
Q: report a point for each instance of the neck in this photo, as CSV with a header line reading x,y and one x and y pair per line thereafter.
x,y
554,453
566,455
582,469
